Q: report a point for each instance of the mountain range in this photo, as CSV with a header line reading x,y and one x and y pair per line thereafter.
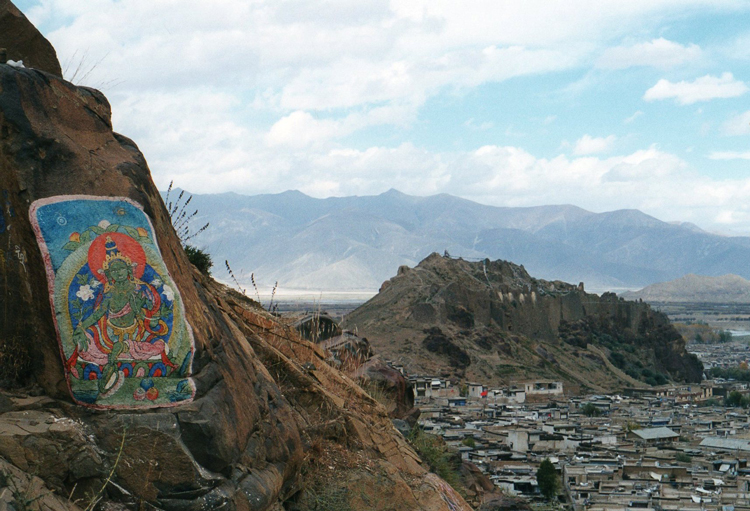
x,y
356,243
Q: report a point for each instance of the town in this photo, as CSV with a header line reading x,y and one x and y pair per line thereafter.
x,y
663,448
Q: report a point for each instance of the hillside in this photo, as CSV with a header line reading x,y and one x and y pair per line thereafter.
x,y
492,322
355,243
696,288
128,379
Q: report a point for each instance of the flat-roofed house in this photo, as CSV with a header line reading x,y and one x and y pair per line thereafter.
x,y
653,435
543,388
726,444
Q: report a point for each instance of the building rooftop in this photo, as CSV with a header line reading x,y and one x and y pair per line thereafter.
x,y
732,444
655,433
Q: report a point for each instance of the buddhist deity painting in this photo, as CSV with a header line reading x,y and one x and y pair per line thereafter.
x,y
120,320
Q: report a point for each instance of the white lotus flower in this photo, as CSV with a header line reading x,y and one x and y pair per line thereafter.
x,y
168,293
85,293
104,224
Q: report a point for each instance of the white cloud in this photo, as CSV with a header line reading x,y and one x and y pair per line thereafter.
x,y
350,83
171,131
658,183
633,117
701,89
360,172
730,155
304,55
259,97
659,53
593,145
738,124
300,129
644,165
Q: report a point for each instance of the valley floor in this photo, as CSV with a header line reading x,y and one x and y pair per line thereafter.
x,y
734,317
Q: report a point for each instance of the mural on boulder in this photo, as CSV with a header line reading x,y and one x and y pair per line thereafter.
x,y
121,324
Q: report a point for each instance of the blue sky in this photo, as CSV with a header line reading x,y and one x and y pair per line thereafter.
x,y
602,104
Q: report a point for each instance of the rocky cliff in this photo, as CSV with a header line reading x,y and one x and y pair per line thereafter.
x,y
271,425
491,321
23,42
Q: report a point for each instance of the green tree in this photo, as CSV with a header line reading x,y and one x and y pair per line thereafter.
x,y
632,426
548,480
590,410
199,258
733,399
441,460
712,401
683,458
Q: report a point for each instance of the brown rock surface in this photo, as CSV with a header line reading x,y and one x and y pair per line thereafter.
x,y
269,418
500,502
24,42
476,484
398,395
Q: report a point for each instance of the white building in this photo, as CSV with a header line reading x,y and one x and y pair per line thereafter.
x,y
543,388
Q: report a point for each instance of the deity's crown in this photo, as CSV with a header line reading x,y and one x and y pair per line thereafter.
x,y
113,253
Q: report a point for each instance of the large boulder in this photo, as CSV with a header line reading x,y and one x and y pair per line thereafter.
x,y
57,141
23,41
382,380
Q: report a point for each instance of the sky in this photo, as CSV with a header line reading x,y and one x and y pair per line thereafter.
x,y
602,104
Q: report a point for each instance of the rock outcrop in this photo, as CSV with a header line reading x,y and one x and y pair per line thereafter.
x,y
24,42
271,423
397,393
490,321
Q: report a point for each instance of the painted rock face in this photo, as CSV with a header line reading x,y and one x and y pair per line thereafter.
x,y
120,320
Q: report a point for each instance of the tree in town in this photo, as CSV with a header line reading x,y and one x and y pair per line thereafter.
x,y
590,410
548,480
733,399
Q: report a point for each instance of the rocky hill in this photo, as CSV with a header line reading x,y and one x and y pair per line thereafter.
x,y
490,321
257,420
696,288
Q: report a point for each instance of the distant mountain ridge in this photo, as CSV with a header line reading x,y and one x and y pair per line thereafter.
x,y
696,288
356,243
